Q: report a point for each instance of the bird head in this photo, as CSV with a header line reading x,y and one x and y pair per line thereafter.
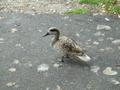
x,y
52,31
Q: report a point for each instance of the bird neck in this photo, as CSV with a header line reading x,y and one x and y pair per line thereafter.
x,y
56,38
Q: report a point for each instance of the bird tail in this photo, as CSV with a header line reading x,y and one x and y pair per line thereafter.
x,y
84,57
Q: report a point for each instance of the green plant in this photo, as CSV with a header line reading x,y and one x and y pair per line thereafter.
x,y
76,11
94,2
114,9
109,5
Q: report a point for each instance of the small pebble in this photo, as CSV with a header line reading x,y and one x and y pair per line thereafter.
x,y
1,17
95,69
12,69
109,71
10,84
103,27
47,88
1,39
95,14
95,43
99,34
100,39
18,45
118,16
107,19
13,30
77,34
40,30
43,67
101,50
57,65
58,88
119,47
115,82
109,38
16,61
117,41
66,17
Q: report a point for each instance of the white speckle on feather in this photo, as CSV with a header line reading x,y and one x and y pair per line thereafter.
x,y
12,69
117,41
77,34
103,27
43,67
115,82
109,71
10,84
95,69
107,19
16,61
13,30
95,43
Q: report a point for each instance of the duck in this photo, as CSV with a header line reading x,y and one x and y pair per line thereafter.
x,y
66,46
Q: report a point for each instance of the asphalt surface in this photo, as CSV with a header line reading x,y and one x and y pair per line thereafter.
x,y
27,61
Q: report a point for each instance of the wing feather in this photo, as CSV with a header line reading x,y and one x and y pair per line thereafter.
x,y
70,45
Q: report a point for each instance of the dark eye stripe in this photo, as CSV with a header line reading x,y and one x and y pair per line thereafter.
x,y
53,30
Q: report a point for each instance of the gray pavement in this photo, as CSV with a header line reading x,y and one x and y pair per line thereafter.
x,y
27,61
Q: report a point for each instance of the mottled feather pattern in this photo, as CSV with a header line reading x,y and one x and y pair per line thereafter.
x,y
67,45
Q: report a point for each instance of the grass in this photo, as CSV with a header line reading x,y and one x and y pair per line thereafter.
x,y
76,11
109,5
93,2
113,9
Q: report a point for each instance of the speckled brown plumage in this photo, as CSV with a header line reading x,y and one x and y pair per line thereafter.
x,y
66,45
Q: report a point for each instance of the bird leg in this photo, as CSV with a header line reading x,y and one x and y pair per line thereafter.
x,y
62,60
65,56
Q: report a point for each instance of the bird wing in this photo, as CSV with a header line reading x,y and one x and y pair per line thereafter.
x,y
70,46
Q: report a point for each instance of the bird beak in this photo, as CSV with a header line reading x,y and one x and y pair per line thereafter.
x,y
46,34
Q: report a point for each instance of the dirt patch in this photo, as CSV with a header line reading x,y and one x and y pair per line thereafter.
x,y
39,6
